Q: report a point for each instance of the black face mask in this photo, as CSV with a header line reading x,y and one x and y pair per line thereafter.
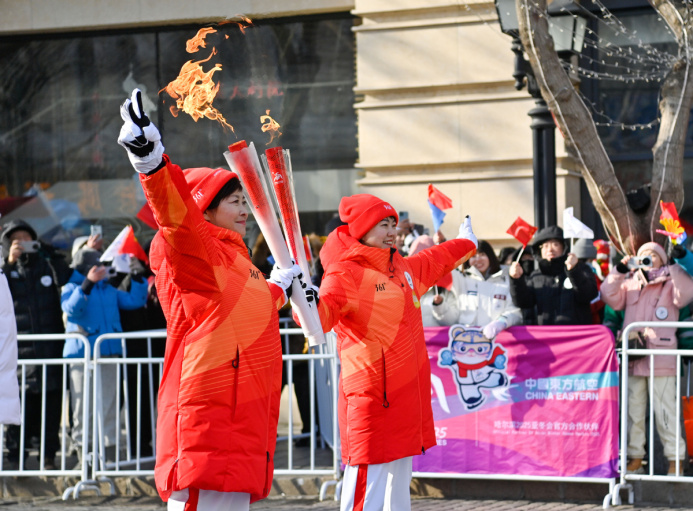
x,y
527,266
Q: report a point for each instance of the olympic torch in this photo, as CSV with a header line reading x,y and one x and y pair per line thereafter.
x,y
278,165
244,162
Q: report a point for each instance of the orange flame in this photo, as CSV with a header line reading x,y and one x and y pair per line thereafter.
x,y
243,24
270,125
194,92
193,89
198,41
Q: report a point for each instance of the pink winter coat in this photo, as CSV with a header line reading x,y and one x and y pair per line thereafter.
x,y
641,301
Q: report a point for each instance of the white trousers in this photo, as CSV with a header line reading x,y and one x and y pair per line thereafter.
x,y
383,487
108,389
209,500
664,405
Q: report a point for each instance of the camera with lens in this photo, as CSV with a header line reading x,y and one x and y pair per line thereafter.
x,y
29,247
111,271
640,262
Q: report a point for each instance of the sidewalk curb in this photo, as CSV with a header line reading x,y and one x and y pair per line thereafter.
x,y
669,494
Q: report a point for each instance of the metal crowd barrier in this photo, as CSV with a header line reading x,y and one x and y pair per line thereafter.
x,y
125,458
614,497
323,375
125,463
43,364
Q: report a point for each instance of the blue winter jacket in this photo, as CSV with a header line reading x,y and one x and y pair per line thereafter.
x,y
97,313
686,262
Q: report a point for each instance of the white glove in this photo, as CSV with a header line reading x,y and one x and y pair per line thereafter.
x,y
284,278
139,136
494,328
466,231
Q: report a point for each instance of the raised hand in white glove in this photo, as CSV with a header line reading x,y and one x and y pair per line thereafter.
x,y
285,277
494,328
466,231
139,136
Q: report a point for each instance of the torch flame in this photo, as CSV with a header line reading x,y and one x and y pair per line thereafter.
x,y
242,25
270,125
197,42
194,92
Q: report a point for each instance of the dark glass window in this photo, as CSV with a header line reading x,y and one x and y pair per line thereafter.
x,y
645,48
618,101
61,168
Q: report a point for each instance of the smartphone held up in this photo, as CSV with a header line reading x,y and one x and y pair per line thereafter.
x,y
30,247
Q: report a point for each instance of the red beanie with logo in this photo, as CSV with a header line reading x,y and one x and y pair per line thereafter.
x,y
363,211
205,183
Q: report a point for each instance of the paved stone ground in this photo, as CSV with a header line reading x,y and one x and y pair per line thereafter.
x,y
309,504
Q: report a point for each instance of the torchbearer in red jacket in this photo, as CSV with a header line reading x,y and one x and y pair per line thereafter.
x,y
221,384
370,296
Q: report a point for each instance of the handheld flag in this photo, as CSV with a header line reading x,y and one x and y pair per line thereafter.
x,y
125,243
574,228
147,216
522,231
445,281
671,222
438,201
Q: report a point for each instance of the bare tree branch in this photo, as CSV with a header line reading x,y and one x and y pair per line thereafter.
x,y
675,107
576,124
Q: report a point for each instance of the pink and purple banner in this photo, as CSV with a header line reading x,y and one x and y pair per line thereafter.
x,y
540,401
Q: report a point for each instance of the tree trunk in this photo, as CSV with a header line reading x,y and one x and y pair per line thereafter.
x,y
675,108
625,228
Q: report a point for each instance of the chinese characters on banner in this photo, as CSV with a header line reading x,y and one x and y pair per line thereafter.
x,y
539,401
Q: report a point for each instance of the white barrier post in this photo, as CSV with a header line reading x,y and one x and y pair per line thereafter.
x,y
651,353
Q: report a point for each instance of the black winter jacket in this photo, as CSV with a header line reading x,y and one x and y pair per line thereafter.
x,y
556,295
35,281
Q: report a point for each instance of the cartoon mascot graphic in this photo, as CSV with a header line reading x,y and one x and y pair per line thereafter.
x,y
476,362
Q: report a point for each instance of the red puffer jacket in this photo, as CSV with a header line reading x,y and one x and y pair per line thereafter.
x,y
371,298
221,384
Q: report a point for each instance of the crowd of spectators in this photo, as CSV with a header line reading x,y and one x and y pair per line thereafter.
x,y
51,296
550,282
554,281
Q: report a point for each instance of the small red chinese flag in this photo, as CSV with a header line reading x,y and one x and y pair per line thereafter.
x,y
132,247
438,198
147,216
445,282
522,231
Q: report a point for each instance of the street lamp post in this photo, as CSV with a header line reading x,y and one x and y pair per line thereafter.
x,y
568,34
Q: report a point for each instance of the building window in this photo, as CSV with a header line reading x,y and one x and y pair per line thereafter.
x,y
623,54
60,166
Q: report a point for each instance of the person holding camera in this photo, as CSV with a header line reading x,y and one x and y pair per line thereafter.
x,y
92,307
35,272
560,290
646,288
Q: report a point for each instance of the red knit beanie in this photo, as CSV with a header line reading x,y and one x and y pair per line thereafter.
x,y
205,183
363,211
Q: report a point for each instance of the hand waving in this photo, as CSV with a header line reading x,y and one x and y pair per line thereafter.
x,y
139,136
